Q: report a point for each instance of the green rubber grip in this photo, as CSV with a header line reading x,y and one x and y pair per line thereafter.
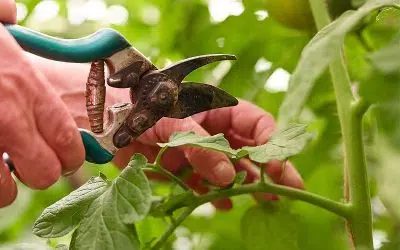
x,y
99,45
94,152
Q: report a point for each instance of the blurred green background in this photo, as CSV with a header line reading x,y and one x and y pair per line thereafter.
x,y
169,30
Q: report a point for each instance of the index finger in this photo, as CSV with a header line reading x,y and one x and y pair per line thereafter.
x,y
245,124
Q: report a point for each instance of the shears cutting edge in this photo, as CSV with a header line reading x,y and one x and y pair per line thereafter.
x,y
155,93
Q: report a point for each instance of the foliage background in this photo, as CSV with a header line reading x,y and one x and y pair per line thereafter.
x,y
170,30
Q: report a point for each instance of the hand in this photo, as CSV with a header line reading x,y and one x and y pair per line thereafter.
x,y
36,129
243,125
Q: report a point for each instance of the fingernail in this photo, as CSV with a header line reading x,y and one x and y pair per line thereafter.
x,y
224,173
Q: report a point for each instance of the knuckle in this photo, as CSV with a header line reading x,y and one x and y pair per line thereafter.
x,y
66,136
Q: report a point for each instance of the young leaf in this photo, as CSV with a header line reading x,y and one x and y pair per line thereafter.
x,y
60,218
281,146
108,222
216,142
317,55
269,226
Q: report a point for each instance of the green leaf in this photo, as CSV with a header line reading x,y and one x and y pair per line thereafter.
x,y
63,216
216,142
281,146
317,55
387,59
108,222
269,226
240,177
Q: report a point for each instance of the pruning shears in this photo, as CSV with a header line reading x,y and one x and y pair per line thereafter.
x,y
155,93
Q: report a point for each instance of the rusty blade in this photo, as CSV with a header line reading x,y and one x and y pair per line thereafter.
x,y
180,70
199,97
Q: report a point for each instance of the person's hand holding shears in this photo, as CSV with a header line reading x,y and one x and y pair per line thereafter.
x,y
43,140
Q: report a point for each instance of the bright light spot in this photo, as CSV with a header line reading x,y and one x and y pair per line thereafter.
x,y
379,238
377,206
150,14
22,11
182,243
95,10
117,14
261,14
222,9
262,65
278,81
76,14
205,210
182,232
45,11
221,42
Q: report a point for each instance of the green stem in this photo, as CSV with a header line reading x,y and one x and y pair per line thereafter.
x,y
330,205
172,228
158,168
350,116
191,200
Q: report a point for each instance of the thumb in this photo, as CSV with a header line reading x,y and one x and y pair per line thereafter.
x,y
8,12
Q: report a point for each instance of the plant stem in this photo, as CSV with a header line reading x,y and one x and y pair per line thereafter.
x,y
361,220
350,116
172,228
172,177
338,208
158,168
330,205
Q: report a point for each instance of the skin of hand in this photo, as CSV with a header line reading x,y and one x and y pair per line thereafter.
x,y
245,124
36,128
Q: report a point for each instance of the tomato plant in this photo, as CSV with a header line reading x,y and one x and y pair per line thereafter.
x,y
338,122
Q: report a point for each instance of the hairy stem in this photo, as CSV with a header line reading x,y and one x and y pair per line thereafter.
x,y
330,205
191,200
172,228
350,116
158,168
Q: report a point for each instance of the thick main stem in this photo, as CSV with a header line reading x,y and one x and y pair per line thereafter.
x,y
350,115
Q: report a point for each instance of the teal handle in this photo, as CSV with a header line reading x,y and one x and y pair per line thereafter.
x,y
95,153
99,45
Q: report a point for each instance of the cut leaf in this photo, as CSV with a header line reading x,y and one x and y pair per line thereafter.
x,y
281,146
64,215
216,142
317,55
108,222
269,226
